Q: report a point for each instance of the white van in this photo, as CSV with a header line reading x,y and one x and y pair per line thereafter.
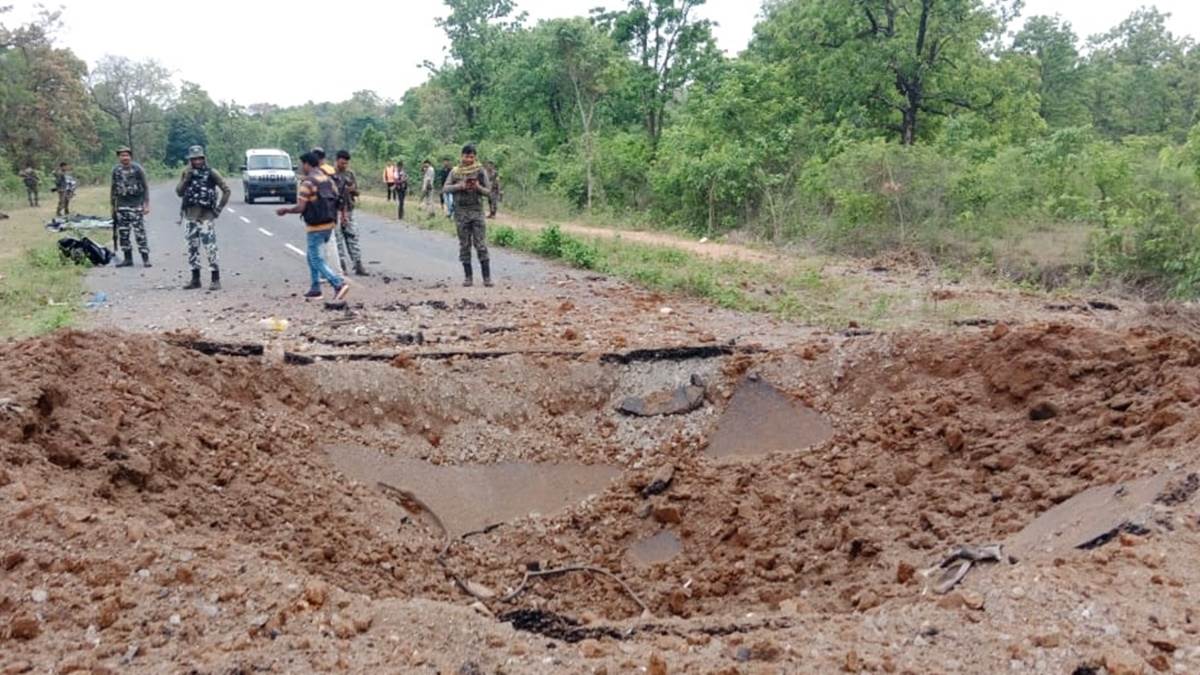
x,y
268,173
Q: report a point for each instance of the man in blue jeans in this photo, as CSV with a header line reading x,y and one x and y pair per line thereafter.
x,y
317,204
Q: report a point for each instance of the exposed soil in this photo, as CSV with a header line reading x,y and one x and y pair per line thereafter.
x,y
164,510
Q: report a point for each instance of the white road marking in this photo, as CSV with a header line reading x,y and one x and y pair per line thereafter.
x,y
245,219
230,209
295,250
265,232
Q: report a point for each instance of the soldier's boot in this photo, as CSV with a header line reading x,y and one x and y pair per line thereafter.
x,y
469,279
195,282
215,284
146,260
127,261
360,270
486,267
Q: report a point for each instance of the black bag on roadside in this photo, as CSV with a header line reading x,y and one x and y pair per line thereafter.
x,y
80,249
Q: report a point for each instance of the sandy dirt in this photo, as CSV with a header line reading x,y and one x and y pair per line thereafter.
x,y
165,510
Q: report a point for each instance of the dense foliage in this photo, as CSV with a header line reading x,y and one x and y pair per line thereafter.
x,y
857,125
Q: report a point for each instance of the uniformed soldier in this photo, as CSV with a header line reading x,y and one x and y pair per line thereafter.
x,y
130,200
64,185
347,231
493,183
467,183
31,179
198,187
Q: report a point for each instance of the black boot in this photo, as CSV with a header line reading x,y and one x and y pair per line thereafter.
x,y
469,279
128,260
195,282
360,270
146,260
215,284
486,267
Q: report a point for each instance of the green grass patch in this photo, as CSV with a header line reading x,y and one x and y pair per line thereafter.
x,y
39,290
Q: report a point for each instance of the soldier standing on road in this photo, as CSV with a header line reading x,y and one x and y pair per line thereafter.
x,y
198,186
493,177
427,179
468,182
31,180
130,200
347,231
64,185
401,189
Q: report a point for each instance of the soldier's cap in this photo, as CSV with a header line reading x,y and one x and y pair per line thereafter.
x,y
318,151
195,151
123,149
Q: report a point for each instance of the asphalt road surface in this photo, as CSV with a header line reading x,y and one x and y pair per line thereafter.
x,y
258,247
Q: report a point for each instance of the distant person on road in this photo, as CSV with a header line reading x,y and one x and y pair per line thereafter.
x,y
317,205
129,197
347,230
401,189
428,178
468,181
389,178
439,182
31,180
493,177
64,185
198,186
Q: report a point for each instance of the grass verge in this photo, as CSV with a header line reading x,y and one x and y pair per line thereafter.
x,y
39,290
803,289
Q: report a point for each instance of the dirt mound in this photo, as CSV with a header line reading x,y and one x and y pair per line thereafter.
x,y
162,506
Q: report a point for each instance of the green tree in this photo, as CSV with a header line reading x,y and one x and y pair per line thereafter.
x,y
670,45
1061,93
187,122
475,29
134,93
888,64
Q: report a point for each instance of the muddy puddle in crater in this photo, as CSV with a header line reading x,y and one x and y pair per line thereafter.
x,y
761,419
470,498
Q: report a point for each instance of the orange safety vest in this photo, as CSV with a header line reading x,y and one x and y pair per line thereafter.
x,y
389,174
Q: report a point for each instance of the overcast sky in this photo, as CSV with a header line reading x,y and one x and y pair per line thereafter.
x,y
249,51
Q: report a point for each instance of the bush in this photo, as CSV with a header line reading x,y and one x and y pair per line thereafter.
x,y
504,236
580,254
549,242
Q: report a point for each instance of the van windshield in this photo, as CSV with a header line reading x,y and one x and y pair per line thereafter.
x,y
269,162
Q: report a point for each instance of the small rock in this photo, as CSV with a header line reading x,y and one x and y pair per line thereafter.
x,y
479,590
954,439
905,573
342,627
469,668
851,664
1159,662
592,649
973,599
668,515
742,654
108,614
12,560
39,595
19,491
1122,663
951,601
658,666
1163,645
1047,640
24,627
1000,331
660,481
1043,411
316,593
765,650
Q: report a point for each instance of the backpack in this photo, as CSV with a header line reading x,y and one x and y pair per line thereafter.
x,y
82,249
324,208
201,190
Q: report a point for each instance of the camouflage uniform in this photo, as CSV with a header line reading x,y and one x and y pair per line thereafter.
x,y
200,216
64,184
347,231
494,184
31,180
468,218
128,196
